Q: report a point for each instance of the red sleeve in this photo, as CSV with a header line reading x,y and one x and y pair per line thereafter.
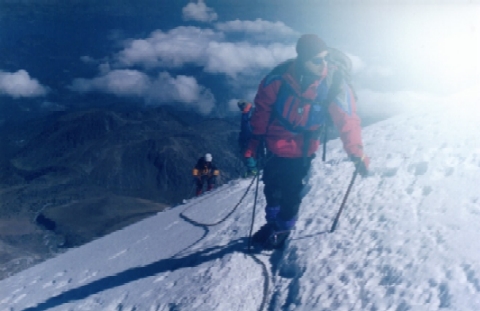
x,y
264,100
345,118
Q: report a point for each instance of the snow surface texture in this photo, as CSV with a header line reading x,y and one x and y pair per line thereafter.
x,y
407,240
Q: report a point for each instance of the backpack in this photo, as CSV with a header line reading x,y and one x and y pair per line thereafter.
x,y
344,67
245,130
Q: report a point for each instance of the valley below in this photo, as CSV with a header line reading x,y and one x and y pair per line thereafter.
x,y
70,178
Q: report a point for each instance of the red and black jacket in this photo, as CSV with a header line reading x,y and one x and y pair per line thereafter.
x,y
284,142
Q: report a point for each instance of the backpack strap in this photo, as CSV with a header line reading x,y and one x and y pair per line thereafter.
x,y
279,71
332,93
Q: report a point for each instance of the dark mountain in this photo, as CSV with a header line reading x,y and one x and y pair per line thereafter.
x,y
146,154
74,176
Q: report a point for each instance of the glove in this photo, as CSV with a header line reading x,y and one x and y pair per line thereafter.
x,y
361,164
255,145
250,163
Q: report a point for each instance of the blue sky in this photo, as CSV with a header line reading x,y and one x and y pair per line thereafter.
x,y
205,55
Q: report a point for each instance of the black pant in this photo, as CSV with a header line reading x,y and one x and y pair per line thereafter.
x,y
283,184
209,180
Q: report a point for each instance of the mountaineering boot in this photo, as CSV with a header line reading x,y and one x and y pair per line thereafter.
x,y
277,239
280,233
250,172
263,234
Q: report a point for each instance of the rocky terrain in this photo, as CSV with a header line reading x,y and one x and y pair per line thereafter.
x,y
71,177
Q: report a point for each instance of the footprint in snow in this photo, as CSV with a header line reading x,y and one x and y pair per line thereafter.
x,y
471,277
419,168
426,190
389,172
289,266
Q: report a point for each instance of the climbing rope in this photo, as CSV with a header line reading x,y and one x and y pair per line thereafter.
x,y
228,215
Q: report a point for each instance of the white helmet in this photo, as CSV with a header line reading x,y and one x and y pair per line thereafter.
x,y
208,157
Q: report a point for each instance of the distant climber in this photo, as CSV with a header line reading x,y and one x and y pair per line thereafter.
x,y
245,135
205,172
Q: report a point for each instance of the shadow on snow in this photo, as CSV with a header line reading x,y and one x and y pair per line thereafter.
x,y
137,273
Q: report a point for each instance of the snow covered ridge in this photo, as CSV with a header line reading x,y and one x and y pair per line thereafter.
x,y
407,240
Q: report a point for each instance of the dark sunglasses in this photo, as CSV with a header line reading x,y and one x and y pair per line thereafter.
x,y
319,60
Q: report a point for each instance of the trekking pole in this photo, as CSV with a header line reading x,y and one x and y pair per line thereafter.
x,y
325,137
335,222
253,212
261,150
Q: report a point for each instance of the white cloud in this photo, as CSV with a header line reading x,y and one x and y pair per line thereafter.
x,y
171,49
129,74
164,89
182,89
20,84
204,48
233,104
257,26
357,63
243,58
199,12
123,82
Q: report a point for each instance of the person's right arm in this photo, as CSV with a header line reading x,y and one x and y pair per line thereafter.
x,y
264,100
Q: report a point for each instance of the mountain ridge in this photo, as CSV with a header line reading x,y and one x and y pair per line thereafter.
x,y
68,162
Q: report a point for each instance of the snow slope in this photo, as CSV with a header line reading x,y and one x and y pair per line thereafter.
x,y
408,239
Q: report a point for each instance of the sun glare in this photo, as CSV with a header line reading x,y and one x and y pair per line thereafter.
x,y
442,45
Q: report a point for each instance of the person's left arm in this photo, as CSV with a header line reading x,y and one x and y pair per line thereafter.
x,y
343,112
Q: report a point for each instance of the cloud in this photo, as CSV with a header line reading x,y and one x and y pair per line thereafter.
x,y
359,66
357,63
241,59
164,89
244,58
204,48
20,84
233,104
257,26
199,12
124,82
172,49
181,89
198,46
